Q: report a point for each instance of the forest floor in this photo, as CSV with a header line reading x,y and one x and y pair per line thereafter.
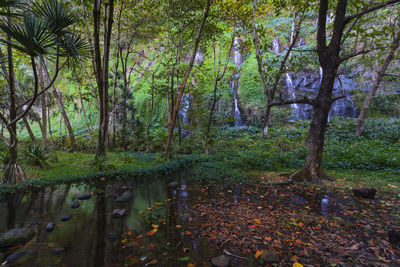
x,y
311,225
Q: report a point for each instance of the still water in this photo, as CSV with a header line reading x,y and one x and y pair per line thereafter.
x,y
153,230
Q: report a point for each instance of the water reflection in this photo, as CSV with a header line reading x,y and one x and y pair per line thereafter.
x,y
92,237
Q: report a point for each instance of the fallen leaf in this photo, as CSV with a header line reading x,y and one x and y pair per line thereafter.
x,y
153,261
258,254
152,232
296,264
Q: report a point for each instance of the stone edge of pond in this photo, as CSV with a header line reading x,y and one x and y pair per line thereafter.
x,y
166,168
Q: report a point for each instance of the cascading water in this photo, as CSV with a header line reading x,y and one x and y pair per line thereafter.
x,y
292,94
237,59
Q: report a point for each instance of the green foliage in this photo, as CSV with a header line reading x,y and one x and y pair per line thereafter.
x,y
35,157
4,158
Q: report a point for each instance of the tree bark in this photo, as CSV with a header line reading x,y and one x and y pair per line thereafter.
x,y
183,85
66,119
102,69
84,112
380,73
43,104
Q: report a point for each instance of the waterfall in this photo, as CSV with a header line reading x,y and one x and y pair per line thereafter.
x,y
183,112
292,95
237,59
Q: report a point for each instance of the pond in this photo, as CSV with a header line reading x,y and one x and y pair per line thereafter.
x,y
153,230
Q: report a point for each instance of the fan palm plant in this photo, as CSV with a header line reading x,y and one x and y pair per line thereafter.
x,y
39,29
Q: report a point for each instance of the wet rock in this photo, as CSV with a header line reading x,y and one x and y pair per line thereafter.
x,y
394,237
57,251
339,220
173,184
84,196
16,256
50,227
65,217
220,261
76,204
365,192
118,213
16,236
124,197
269,257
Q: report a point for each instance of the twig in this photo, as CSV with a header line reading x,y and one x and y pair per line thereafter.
x,y
233,255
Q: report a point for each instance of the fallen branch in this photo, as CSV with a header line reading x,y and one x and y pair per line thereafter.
x,y
233,255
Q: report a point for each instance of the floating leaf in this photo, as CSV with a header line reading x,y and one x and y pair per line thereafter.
x,y
184,258
152,232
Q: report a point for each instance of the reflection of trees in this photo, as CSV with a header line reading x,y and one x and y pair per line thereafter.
x,y
13,201
62,198
101,224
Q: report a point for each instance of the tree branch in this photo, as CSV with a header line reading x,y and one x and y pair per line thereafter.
x,y
360,52
337,98
303,100
369,10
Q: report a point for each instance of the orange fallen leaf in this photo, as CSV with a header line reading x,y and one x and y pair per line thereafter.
x,y
257,221
258,254
191,265
296,264
152,232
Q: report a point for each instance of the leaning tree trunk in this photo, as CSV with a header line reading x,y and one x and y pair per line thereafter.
x,y
377,80
66,119
43,104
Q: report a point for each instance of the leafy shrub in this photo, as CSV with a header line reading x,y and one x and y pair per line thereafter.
x,y
35,157
5,159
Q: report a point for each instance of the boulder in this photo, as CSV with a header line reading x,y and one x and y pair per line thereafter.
x,y
394,237
269,257
65,217
365,192
76,204
124,197
16,236
118,213
220,261
50,227
84,196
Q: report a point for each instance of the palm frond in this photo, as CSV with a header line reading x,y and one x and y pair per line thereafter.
x,y
57,17
31,36
73,45
4,4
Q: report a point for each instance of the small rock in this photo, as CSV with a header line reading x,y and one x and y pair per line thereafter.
x,y
124,197
84,196
76,204
16,255
57,251
269,257
50,227
16,236
394,237
220,261
118,213
367,192
65,217
174,184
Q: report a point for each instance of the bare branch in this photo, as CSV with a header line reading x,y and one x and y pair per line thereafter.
x,y
369,10
303,100
360,52
337,98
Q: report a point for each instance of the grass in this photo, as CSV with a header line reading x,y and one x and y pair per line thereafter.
x,y
65,164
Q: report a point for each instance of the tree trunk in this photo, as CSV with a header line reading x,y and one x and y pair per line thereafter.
x,y
102,69
13,173
29,129
380,73
49,121
66,119
43,104
207,134
188,71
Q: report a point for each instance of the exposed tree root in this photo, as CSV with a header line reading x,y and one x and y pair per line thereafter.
x,y
314,176
14,174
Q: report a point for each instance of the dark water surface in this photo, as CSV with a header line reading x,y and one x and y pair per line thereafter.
x,y
152,232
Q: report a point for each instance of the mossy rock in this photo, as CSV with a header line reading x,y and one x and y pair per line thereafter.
x,y
15,237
